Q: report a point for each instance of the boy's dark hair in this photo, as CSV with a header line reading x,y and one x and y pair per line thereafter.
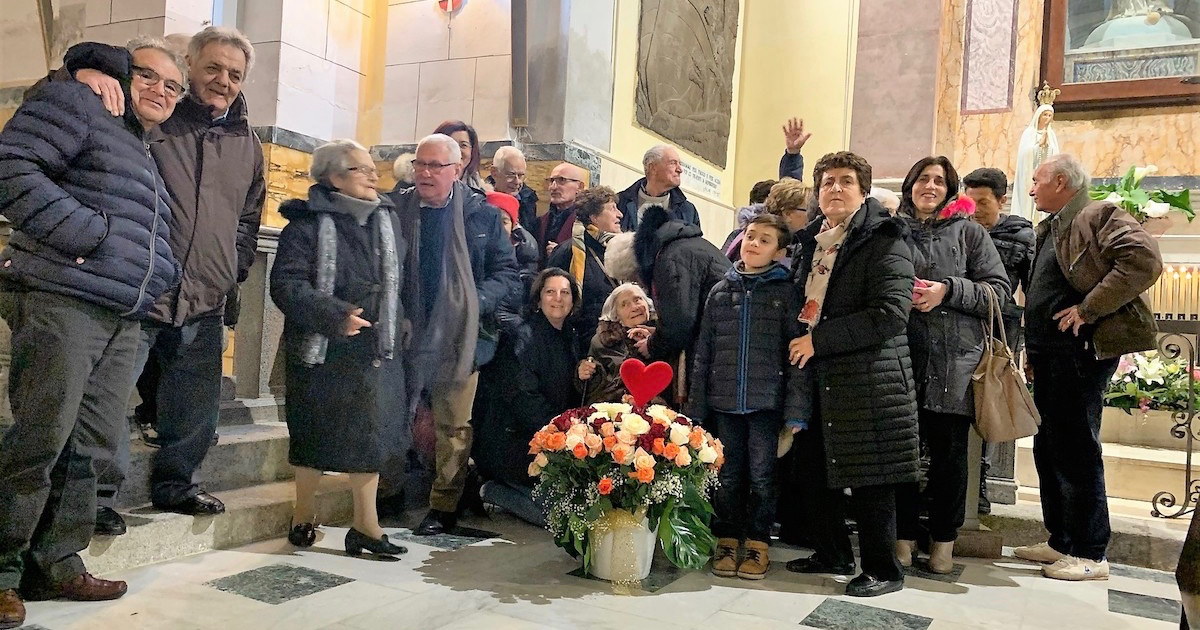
x,y
539,283
759,192
844,159
992,178
774,221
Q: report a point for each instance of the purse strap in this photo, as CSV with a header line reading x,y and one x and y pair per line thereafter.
x,y
993,314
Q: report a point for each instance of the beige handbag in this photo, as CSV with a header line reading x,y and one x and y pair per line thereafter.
x,y
1004,410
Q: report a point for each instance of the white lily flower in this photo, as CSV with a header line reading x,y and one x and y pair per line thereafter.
x,y
1157,209
1140,173
1114,197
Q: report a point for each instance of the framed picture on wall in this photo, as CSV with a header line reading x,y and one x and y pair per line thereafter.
x,y
1122,53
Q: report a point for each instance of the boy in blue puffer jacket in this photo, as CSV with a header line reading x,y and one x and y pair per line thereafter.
x,y
744,388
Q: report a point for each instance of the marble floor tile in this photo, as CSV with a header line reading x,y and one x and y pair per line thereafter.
x,y
733,621
1140,573
278,583
921,570
662,574
324,608
461,537
1144,606
776,606
835,614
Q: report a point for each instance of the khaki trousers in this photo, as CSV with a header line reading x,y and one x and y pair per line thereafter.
x,y
451,407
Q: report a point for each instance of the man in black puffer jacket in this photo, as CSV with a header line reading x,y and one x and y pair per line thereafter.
x,y
87,259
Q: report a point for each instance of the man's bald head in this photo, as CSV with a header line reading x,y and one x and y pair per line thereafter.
x,y
564,184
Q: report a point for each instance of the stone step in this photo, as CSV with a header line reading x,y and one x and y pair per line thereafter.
x,y
239,411
1130,472
251,514
245,455
1152,429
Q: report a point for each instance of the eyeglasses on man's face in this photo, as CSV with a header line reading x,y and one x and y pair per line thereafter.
x,y
152,78
561,181
511,176
431,167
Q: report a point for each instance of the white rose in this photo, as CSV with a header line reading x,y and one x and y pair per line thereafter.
x,y
572,440
599,415
634,424
610,410
1157,209
707,454
679,434
541,460
534,469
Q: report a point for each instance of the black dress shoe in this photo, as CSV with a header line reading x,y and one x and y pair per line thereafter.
x,y
203,504
108,522
813,564
435,522
303,535
357,542
870,586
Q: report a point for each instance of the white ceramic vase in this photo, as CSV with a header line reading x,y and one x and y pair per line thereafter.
x,y
622,549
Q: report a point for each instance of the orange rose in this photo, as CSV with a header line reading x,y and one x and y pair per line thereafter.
x,y
683,459
608,429
535,445
670,451
645,475
622,454
580,451
605,486
696,438
609,442
556,441
657,448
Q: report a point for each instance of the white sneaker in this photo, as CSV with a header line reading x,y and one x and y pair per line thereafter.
x,y
1041,552
1077,569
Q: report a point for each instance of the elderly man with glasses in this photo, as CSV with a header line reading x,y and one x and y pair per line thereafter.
x,y
89,255
660,187
554,227
508,176
464,267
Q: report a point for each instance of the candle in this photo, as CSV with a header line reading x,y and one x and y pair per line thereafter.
x,y
1186,288
1178,290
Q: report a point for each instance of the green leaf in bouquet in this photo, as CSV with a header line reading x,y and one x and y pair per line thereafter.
x,y
1101,192
1138,196
685,540
1127,181
1181,201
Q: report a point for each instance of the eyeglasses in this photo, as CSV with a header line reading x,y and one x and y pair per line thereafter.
x,y
152,78
369,171
432,167
512,176
561,181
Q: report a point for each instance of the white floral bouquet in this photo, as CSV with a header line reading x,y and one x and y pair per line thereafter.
x,y
1141,203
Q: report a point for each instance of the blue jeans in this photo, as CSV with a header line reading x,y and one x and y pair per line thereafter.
x,y
744,504
1068,389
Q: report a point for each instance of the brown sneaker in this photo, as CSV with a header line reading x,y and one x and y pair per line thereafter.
x,y
754,567
12,609
724,562
82,588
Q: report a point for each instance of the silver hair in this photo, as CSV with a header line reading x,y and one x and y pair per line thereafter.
x,y
654,155
609,312
161,45
402,168
329,158
450,144
1071,169
503,155
222,35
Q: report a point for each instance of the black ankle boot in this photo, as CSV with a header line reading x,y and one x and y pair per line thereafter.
x,y
357,541
303,535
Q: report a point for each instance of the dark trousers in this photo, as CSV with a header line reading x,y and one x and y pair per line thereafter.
x,y
1069,393
874,509
189,403
945,436
71,376
745,500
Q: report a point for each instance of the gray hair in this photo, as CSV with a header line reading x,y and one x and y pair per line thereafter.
x,y
450,144
161,45
888,198
504,155
1071,169
222,35
402,168
609,312
654,155
329,158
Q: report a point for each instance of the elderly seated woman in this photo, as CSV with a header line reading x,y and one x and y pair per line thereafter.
x,y
626,322
339,280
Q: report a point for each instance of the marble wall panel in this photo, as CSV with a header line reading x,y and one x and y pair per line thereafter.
x,y
22,45
446,91
188,16
364,7
125,10
98,12
482,28
416,32
265,22
589,75
307,84
119,33
493,89
346,84
400,104
347,34
306,25
262,86
990,55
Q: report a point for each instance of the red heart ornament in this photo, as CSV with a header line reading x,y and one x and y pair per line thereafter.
x,y
644,382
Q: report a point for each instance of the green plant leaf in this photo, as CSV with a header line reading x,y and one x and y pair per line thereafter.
x,y
686,540
1127,181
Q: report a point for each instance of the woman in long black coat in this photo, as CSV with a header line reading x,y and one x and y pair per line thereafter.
x,y
956,263
863,433
540,386
338,279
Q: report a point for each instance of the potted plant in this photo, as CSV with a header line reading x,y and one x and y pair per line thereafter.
x,y
1148,381
1149,207
615,478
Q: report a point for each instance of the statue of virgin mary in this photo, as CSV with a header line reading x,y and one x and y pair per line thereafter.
x,y
1038,142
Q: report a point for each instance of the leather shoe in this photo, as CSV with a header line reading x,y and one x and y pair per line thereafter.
x,y
202,504
435,522
870,586
357,542
108,522
82,588
813,564
12,609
